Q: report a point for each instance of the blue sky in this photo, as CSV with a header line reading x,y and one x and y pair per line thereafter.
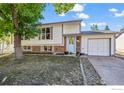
x,y
100,14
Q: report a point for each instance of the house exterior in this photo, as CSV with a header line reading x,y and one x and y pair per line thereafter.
x,y
120,41
61,37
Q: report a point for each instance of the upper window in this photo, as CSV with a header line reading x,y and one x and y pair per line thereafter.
x,y
46,33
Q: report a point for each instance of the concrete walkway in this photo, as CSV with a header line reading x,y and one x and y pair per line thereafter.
x,y
110,69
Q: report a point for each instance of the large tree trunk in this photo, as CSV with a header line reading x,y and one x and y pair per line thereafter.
x,y
17,35
17,46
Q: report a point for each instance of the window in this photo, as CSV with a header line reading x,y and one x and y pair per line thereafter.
x,y
43,33
27,48
47,48
46,33
71,40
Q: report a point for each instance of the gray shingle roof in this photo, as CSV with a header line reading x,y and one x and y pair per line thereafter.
x,y
92,33
96,32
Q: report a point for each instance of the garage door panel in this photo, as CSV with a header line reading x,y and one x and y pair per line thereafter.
x,y
92,47
98,47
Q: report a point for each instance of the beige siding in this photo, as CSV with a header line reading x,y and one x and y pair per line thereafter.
x,y
58,31
71,28
84,42
120,43
57,37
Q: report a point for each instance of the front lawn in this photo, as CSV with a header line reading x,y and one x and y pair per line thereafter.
x,y
40,70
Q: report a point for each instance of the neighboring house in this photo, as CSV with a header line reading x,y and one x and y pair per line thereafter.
x,y
61,37
120,41
6,45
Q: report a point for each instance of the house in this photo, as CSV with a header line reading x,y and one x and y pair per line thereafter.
x,y
61,37
120,41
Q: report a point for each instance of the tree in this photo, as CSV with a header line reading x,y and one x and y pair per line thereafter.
x,y
94,27
107,27
20,20
62,7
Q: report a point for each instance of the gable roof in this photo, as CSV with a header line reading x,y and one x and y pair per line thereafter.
x,y
79,20
121,32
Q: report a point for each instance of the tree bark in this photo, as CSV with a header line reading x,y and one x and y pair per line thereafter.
x,y
17,35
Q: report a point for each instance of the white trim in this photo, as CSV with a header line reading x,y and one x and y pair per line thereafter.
x,y
51,33
67,45
42,48
75,43
67,42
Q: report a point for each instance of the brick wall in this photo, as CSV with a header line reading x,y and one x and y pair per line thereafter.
x,y
60,48
36,49
64,43
78,43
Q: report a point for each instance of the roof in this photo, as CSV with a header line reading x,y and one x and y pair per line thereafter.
x,y
96,32
79,20
92,33
121,32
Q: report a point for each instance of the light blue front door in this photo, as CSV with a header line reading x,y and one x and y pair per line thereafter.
x,y
72,44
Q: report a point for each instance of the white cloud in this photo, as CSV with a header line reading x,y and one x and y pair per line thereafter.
x,y
116,13
83,15
113,10
119,14
83,24
99,23
119,25
78,8
62,14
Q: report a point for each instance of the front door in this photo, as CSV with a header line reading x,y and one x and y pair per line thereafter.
x,y
71,44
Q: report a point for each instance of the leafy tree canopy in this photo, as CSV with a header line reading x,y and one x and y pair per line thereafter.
x,y
20,20
107,27
62,7
28,15
94,27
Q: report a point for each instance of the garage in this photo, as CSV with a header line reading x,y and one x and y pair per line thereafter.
x,y
99,47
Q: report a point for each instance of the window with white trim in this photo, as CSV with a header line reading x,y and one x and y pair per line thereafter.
x,y
27,48
46,33
47,48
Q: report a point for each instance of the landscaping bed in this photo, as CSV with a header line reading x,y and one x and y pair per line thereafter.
x,y
40,70
91,76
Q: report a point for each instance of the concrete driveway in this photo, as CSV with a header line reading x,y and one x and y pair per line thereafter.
x,y
111,69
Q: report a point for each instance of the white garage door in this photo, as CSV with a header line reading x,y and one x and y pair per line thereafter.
x,y
98,47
